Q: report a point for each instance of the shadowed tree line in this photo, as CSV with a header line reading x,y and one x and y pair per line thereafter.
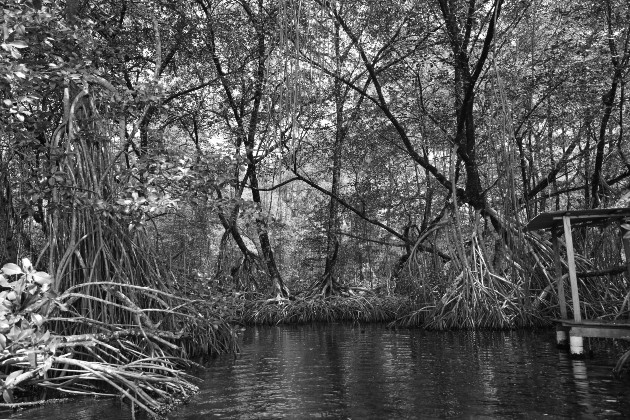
x,y
284,151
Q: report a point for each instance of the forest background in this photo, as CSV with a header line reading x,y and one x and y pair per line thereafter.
x,y
280,151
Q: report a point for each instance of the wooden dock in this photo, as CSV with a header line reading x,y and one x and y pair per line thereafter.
x,y
571,332
595,328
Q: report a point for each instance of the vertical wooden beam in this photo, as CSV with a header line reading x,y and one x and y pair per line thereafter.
x,y
568,239
625,231
558,272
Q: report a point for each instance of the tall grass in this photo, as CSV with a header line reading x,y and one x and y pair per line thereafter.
x,y
325,309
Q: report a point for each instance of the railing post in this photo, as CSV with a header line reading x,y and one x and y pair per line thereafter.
x,y
625,238
562,334
576,343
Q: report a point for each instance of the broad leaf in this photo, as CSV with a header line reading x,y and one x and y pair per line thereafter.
x,y
4,326
7,395
14,333
43,339
12,377
41,277
27,333
11,269
18,44
26,265
37,319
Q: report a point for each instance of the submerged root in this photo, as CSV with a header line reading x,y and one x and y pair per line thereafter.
x,y
140,357
153,384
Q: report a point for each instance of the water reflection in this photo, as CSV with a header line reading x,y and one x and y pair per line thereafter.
x,y
370,372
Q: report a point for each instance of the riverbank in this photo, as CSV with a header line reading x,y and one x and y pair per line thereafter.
x,y
364,309
58,345
102,339
398,311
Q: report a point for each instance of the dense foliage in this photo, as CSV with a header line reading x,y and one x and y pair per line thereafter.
x,y
268,154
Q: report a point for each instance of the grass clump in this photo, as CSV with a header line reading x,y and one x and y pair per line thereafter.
x,y
353,308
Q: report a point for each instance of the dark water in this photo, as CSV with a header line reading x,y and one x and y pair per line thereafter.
x,y
370,372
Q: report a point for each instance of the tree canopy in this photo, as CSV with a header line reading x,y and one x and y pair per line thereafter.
x,y
313,148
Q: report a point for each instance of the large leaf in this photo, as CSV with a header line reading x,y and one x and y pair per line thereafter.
x,y
7,395
18,44
12,377
43,338
26,265
37,319
4,326
41,278
11,269
14,333
26,333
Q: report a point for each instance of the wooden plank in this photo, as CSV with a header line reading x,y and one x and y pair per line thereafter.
x,y
599,332
599,328
575,297
558,273
612,323
626,244
600,273
593,217
579,217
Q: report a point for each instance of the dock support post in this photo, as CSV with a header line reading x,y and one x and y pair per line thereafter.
x,y
577,346
625,239
562,337
562,334
576,343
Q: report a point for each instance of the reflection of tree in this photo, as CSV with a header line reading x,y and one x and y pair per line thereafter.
x,y
371,372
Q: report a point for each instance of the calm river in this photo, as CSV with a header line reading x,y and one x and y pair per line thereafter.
x,y
370,372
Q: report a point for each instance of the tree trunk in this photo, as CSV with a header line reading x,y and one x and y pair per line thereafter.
x,y
608,101
265,244
8,250
332,242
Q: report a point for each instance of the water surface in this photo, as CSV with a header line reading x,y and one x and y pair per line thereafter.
x,y
370,372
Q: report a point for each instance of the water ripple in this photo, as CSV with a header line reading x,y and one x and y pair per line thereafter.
x,y
370,372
